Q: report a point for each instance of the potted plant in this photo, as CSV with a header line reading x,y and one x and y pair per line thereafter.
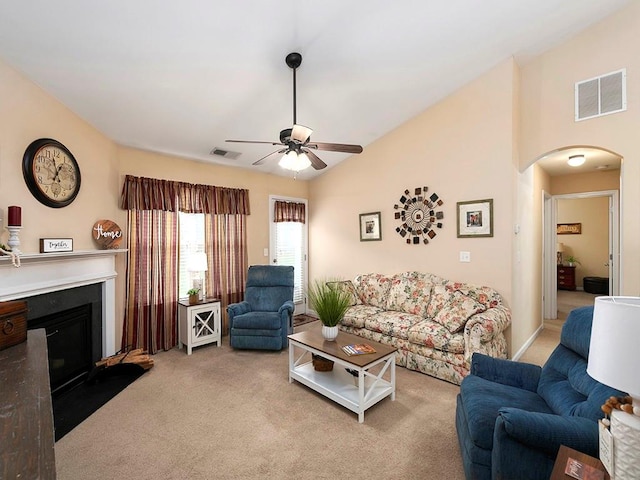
x,y
193,295
330,302
572,261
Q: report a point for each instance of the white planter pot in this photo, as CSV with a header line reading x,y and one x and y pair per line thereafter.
x,y
329,333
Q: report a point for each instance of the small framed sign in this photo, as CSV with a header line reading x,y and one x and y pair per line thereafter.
x,y
50,245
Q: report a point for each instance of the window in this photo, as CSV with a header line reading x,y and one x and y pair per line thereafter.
x,y
190,241
289,242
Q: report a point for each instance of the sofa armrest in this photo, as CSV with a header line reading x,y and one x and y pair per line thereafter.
x,y
546,431
506,372
483,328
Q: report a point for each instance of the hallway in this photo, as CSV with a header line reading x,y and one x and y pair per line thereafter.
x,y
549,337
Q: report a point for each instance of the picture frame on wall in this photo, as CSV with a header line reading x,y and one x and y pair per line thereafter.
x,y
475,218
370,227
569,229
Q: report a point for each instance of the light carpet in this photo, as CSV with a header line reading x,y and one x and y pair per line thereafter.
x,y
231,414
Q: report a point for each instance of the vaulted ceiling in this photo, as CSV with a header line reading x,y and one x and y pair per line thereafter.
x,y
181,77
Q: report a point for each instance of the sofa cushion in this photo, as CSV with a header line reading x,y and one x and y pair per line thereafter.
x,y
348,287
357,314
373,288
454,314
394,324
409,295
433,335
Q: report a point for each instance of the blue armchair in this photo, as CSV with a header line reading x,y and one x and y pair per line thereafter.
x,y
264,319
512,417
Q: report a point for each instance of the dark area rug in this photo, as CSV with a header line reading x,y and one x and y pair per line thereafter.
x,y
302,319
72,407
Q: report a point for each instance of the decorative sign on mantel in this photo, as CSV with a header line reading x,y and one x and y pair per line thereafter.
x,y
50,245
107,234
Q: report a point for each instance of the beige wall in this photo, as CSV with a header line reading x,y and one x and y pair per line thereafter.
x,y
28,113
462,150
547,120
586,182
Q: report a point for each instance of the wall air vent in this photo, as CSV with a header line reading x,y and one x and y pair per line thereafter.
x,y
224,153
601,95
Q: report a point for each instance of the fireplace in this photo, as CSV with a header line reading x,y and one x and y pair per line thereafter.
x,y
52,273
72,319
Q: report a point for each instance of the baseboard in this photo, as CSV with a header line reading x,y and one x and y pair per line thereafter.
x,y
527,344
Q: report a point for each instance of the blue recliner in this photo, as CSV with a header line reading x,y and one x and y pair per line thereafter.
x,y
264,319
512,417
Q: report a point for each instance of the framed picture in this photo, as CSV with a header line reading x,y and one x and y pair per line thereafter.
x,y
370,229
475,218
569,229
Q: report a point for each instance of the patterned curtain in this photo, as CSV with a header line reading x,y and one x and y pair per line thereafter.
x,y
152,292
152,275
288,212
226,248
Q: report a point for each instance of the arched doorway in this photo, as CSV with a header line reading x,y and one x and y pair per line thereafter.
x,y
585,182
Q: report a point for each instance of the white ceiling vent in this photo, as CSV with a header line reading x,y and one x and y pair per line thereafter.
x,y
601,95
224,153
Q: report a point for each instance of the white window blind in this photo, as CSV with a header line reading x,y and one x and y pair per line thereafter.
x,y
190,240
289,240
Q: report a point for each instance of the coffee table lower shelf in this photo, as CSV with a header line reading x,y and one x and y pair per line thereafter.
x,y
357,393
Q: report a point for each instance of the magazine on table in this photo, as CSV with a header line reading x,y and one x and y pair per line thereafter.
x,y
358,349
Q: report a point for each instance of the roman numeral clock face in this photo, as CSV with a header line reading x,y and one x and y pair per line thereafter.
x,y
51,173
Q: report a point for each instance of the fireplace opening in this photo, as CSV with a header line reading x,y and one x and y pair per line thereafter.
x,y
68,345
72,319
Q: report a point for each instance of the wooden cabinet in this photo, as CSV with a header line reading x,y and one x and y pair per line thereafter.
x,y
566,278
198,324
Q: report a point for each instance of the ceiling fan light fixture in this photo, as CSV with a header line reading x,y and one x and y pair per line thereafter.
x,y
576,160
295,161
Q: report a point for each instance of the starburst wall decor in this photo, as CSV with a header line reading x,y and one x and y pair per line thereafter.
x,y
418,215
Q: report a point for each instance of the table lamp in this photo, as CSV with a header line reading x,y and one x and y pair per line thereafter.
x,y
197,264
559,250
615,361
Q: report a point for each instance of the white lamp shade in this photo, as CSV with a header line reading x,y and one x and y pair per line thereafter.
x,y
560,247
197,262
613,353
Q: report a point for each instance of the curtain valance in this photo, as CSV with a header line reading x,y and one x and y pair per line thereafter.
x,y
141,193
289,212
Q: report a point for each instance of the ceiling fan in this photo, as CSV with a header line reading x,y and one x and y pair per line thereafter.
x,y
296,141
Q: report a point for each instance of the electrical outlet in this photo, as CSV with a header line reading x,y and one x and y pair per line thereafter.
x,y
266,252
465,257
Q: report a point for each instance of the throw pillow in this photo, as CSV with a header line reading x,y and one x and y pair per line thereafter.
x,y
349,287
373,289
455,313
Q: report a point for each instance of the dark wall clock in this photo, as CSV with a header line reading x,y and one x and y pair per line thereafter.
x,y
51,172
419,215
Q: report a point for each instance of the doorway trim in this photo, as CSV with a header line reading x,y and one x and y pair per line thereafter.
x,y
550,209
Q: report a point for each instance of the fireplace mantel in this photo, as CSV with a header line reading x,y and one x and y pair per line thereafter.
x,y
49,272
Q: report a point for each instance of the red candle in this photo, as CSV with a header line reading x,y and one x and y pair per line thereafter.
x,y
15,216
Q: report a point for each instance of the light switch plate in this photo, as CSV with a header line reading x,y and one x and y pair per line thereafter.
x,y
465,257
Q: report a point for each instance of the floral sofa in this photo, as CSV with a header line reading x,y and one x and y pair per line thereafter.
x,y
436,324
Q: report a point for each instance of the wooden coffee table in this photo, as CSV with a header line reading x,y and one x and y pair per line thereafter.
x,y
376,372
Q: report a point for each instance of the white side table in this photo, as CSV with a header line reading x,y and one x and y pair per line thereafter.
x,y
198,324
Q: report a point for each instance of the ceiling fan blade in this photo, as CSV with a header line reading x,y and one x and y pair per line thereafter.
x,y
335,147
254,141
259,162
315,160
300,133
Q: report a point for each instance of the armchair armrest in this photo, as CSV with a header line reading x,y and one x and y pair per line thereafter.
x,y
287,306
547,432
507,372
234,309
